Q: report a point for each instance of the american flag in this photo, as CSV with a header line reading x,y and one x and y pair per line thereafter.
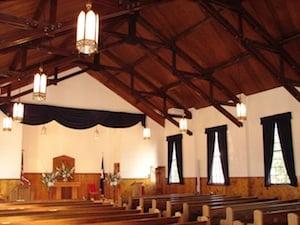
x,y
102,177
23,179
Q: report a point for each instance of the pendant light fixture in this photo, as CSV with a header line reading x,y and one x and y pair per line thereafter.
x,y
183,125
40,85
7,123
146,133
241,111
87,35
18,111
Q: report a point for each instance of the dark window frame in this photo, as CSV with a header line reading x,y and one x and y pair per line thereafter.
x,y
223,147
283,122
177,139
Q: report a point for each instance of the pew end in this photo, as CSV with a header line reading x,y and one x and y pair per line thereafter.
x,y
257,217
185,212
293,219
238,222
168,209
203,219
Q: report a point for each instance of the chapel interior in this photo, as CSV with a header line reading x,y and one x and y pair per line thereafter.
x,y
150,112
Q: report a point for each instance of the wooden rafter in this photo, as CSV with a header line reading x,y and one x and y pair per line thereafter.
x,y
187,82
250,47
149,83
201,71
133,72
196,89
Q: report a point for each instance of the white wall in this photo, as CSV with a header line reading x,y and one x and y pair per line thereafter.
x,y
266,104
10,151
245,145
126,146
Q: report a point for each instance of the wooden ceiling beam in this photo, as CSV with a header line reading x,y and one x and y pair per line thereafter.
x,y
53,11
259,29
18,22
147,82
188,59
194,88
50,82
192,28
275,73
39,9
137,39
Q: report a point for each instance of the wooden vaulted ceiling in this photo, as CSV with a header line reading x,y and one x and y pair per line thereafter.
x,y
158,54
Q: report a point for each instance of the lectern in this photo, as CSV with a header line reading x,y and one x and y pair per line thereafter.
x,y
62,187
73,185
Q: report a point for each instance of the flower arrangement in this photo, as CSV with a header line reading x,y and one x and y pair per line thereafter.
x,y
49,179
114,179
65,173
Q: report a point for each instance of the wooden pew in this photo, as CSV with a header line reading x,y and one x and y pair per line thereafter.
x,y
151,221
145,203
240,212
213,213
161,204
251,217
28,209
45,215
191,211
274,217
133,203
51,211
13,206
177,206
96,219
294,218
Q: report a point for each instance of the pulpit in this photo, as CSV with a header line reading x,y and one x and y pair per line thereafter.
x,y
73,185
65,189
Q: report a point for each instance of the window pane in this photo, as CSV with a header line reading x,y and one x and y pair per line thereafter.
x,y
174,175
278,171
217,175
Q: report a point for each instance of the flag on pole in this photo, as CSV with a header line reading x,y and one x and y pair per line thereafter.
x,y
102,177
23,179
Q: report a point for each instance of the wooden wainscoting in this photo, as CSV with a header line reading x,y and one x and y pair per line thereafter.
x,y
257,188
189,186
40,191
238,186
6,187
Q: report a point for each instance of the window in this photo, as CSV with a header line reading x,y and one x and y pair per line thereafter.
x,y
175,173
217,175
278,150
278,170
217,159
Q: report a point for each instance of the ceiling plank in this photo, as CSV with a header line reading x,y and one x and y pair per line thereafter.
x,y
193,87
149,83
250,47
188,59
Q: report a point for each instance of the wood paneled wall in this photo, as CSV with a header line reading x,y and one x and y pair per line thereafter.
x,y
238,186
242,186
253,186
189,186
6,187
257,188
